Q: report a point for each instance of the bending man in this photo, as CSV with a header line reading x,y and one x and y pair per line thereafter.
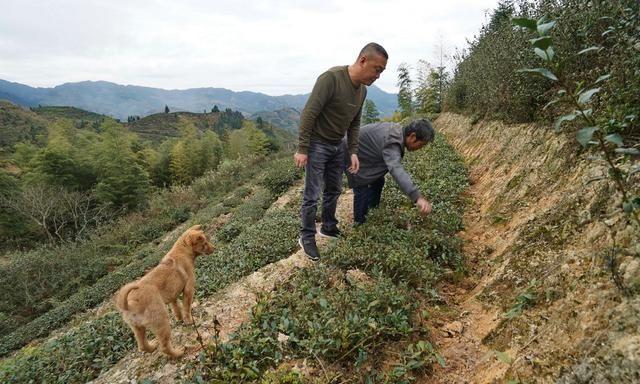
x,y
380,149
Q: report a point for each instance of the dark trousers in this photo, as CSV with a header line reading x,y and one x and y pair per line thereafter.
x,y
366,197
324,166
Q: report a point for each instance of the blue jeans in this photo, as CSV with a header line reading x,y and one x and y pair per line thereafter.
x,y
366,197
324,166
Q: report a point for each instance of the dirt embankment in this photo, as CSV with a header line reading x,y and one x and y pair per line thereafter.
x,y
540,303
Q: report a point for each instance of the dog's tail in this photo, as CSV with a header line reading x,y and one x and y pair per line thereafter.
x,y
121,299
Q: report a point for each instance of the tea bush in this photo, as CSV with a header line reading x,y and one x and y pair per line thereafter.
x,y
248,213
320,316
324,314
272,238
58,282
487,82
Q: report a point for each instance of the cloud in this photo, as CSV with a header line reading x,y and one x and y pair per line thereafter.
x,y
275,47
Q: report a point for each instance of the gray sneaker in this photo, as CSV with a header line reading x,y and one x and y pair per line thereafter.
x,y
310,249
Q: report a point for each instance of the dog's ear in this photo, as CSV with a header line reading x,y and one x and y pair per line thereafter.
x,y
197,237
195,227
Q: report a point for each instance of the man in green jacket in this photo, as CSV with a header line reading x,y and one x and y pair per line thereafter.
x,y
333,110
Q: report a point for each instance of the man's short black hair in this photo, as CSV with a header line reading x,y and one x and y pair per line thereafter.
x,y
370,48
422,128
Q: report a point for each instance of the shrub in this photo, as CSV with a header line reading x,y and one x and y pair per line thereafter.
x,y
487,82
320,316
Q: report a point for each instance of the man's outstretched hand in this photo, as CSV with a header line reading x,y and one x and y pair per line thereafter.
x,y
423,206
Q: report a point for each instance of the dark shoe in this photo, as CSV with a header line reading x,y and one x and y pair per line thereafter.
x,y
331,234
310,249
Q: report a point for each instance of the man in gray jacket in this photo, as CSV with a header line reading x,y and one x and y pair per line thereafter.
x,y
381,146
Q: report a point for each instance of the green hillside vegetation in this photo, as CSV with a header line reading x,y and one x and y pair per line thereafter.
x,y
70,175
329,317
52,113
95,345
369,318
287,118
487,81
17,125
160,126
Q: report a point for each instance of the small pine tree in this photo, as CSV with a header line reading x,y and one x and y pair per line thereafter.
x,y
405,99
166,109
370,113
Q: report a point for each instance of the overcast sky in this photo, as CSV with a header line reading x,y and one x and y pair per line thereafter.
x,y
275,47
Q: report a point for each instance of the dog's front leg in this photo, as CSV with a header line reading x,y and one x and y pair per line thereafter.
x,y
187,299
176,309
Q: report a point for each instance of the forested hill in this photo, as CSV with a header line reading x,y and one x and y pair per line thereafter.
x,y
121,101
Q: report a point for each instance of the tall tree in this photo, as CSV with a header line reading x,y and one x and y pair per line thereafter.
x,y
405,99
180,166
210,152
370,113
432,82
121,180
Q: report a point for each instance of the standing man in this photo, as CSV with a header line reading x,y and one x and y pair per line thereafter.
x,y
333,109
381,147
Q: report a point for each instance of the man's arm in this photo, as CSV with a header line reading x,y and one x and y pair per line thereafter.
x,y
321,93
391,153
354,129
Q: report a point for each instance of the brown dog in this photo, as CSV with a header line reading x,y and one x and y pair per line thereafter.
x,y
143,303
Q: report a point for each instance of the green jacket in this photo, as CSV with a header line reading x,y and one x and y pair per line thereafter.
x,y
333,109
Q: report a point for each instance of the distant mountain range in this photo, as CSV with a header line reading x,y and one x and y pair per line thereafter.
x,y
121,101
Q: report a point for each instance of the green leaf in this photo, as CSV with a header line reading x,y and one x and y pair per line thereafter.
x,y
543,29
504,357
614,138
541,42
545,55
373,304
525,23
631,204
590,49
585,96
550,104
542,54
603,78
628,151
608,31
551,53
585,134
542,71
440,359
562,119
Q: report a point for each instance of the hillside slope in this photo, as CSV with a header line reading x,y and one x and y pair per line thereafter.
x,y
18,124
540,304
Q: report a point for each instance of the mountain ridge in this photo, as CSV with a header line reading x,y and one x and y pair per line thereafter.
x,y
121,101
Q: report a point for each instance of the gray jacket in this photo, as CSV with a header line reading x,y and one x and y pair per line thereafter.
x,y
380,149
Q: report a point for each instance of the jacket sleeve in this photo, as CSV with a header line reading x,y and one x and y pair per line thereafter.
x,y
391,153
354,128
321,93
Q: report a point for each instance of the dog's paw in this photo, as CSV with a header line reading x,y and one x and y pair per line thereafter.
x,y
176,353
150,347
188,320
